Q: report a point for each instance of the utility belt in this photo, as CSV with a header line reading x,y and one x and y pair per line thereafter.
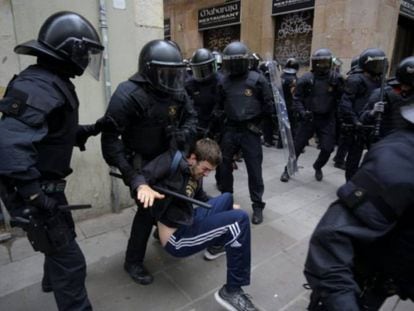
x,y
349,129
53,186
240,126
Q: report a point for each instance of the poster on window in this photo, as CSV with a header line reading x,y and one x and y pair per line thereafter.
x,y
293,37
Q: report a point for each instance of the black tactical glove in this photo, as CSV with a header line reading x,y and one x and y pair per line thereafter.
x,y
44,203
86,131
307,115
177,137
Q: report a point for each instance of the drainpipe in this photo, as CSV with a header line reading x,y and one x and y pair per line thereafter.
x,y
107,86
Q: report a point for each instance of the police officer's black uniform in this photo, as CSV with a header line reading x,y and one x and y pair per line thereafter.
x,y
149,113
343,137
357,91
316,98
245,97
289,78
269,123
39,128
362,250
202,89
396,95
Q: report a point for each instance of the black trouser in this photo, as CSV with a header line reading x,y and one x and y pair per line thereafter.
x,y
324,127
344,143
356,149
140,231
65,271
269,126
249,142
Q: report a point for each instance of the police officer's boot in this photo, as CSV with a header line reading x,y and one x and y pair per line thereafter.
x,y
285,176
46,286
318,173
138,273
257,217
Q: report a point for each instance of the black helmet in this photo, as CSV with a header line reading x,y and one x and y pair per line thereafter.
x,y
354,62
321,61
236,58
292,66
69,38
203,65
373,61
219,59
405,71
254,61
161,63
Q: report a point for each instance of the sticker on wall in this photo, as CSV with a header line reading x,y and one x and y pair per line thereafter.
x,y
119,4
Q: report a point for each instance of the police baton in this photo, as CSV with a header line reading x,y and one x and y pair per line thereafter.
x,y
378,116
173,194
73,207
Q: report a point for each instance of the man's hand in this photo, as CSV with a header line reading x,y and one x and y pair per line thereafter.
x,y
177,137
378,108
236,206
146,195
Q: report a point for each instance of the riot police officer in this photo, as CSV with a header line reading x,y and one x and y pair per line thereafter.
x,y
316,97
245,97
383,113
149,113
343,137
361,252
40,115
357,91
289,79
202,89
270,123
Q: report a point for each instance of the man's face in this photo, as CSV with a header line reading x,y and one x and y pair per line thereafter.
x,y
201,169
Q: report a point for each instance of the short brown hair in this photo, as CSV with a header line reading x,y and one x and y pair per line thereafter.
x,y
208,150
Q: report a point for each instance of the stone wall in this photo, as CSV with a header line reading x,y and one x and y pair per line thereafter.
x,y
348,27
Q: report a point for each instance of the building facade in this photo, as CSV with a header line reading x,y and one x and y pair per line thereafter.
x,y
279,29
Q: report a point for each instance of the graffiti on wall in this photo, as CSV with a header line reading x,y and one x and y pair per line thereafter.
x,y
293,37
219,38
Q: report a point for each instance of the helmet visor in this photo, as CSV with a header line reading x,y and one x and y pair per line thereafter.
x,y
235,65
85,54
171,79
376,65
204,71
94,65
321,64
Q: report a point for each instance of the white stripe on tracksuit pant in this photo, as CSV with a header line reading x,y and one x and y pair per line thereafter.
x,y
221,225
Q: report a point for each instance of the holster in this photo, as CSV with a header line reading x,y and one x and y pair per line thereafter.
x,y
49,234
